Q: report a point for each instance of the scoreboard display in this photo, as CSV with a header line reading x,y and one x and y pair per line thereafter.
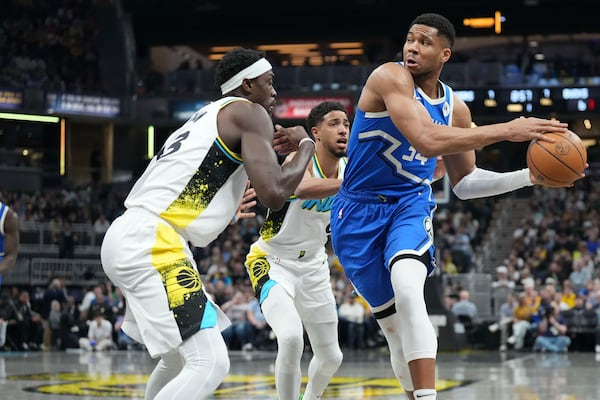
x,y
538,101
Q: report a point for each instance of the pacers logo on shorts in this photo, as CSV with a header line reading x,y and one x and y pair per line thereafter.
x,y
180,281
258,270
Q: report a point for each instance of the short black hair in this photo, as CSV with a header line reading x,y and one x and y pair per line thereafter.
x,y
234,61
319,111
439,22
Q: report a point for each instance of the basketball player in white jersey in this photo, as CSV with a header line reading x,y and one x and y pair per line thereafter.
x,y
189,193
288,265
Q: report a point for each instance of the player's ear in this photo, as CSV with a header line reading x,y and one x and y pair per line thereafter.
x,y
315,133
446,53
247,85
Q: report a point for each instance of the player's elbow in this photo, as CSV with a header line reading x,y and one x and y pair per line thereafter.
x,y
427,147
273,199
461,189
460,195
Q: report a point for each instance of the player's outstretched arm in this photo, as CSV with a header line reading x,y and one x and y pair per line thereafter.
x,y
391,87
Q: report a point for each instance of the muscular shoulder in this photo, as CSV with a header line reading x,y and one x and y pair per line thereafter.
x,y
11,222
242,114
385,82
391,73
241,117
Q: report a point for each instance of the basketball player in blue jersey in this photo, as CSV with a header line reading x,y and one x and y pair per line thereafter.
x,y
9,249
288,264
9,239
189,193
381,219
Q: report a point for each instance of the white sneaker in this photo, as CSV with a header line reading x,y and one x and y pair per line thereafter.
x,y
511,340
493,327
503,347
598,348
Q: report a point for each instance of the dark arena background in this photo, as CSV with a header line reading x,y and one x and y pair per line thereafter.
x,y
90,89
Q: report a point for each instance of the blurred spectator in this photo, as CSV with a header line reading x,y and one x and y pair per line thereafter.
x,y
523,314
24,328
68,335
100,227
123,340
465,306
552,333
583,269
505,319
54,324
502,280
462,252
66,241
257,324
100,332
352,323
236,335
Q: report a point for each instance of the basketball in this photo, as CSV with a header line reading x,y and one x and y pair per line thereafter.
x,y
560,163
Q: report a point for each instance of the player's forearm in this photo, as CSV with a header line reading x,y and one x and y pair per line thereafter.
x,y
441,140
316,188
484,183
291,176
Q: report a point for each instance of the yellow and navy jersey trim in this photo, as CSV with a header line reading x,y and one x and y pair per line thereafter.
x,y
228,152
211,175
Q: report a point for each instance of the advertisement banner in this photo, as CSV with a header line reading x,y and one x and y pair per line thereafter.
x,y
299,107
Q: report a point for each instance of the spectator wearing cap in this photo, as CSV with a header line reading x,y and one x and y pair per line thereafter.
x,y
502,280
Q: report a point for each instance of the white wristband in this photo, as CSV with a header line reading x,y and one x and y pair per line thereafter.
x,y
306,139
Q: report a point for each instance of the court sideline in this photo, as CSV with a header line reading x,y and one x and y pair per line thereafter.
x,y
367,375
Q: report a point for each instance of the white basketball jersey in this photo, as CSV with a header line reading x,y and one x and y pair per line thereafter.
x,y
195,182
301,226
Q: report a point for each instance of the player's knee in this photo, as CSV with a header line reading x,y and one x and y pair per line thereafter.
x,y
291,343
221,366
407,297
333,360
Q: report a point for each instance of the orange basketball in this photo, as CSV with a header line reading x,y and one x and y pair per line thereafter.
x,y
560,163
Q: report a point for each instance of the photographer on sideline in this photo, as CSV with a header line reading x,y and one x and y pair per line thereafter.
x,y
552,332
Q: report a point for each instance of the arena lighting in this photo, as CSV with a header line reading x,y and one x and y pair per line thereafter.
x,y
150,142
486,22
63,148
28,117
345,45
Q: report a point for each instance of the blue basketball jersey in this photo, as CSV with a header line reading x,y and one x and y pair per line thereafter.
x,y
384,209
3,212
381,161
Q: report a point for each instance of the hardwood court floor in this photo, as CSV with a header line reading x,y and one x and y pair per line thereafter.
x,y
487,375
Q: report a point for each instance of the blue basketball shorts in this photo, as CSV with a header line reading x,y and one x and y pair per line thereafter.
x,y
368,233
